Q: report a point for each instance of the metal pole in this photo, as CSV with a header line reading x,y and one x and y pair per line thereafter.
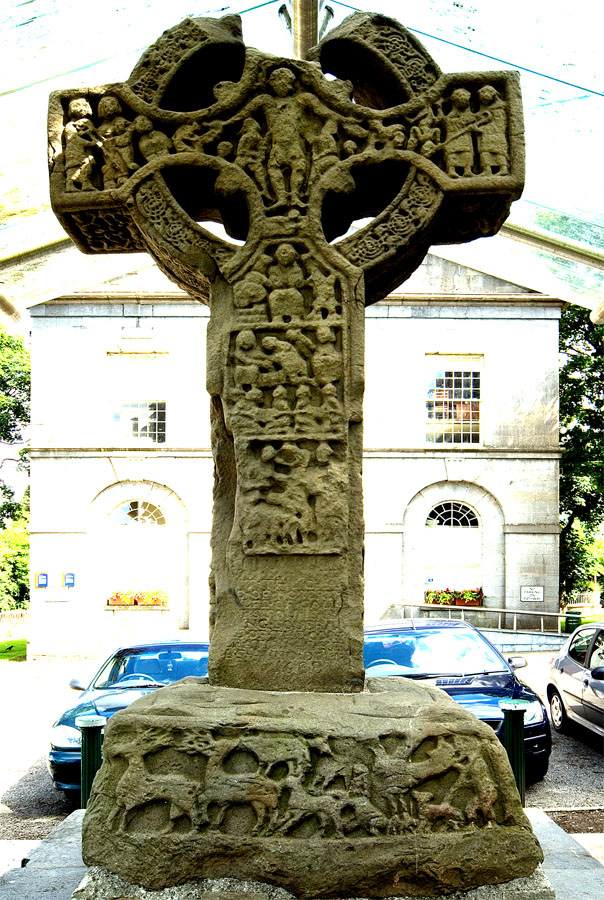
x,y
513,740
91,728
305,26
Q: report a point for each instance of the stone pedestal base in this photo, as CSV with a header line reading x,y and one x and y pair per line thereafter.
x,y
394,791
99,884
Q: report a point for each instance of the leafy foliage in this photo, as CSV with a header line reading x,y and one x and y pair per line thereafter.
x,y
449,597
14,564
582,444
14,515
14,387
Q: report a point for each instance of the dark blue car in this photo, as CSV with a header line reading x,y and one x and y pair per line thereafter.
x,y
454,656
129,673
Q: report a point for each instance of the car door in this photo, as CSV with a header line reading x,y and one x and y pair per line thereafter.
x,y
573,671
593,689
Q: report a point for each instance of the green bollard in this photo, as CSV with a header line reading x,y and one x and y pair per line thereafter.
x,y
513,740
91,728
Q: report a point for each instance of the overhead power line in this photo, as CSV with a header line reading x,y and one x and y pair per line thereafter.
x,y
249,9
505,62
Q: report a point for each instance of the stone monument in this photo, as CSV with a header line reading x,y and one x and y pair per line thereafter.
x,y
285,770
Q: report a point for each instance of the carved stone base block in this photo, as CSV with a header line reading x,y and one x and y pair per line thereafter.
x,y
99,884
393,792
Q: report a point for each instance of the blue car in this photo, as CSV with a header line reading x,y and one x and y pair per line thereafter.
x,y
129,673
454,656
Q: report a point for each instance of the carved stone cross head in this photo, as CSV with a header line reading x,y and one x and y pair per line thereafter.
x,y
217,132
287,160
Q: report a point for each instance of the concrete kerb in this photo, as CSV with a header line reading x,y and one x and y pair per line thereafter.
x,y
54,868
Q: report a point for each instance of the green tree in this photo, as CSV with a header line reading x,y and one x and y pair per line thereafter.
x,y
14,564
14,514
582,443
14,387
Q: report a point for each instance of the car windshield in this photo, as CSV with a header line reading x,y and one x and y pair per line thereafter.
x,y
152,665
422,653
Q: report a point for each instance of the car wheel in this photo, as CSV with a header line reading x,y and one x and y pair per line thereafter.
x,y
558,713
536,771
73,798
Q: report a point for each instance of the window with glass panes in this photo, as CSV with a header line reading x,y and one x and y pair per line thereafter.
x,y
453,403
144,420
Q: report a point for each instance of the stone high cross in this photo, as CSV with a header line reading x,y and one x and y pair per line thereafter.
x,y
287,160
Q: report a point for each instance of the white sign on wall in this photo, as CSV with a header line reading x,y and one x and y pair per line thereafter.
x,y
531,594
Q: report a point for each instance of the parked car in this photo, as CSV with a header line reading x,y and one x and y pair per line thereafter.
x,y
454,656
129,673
576,681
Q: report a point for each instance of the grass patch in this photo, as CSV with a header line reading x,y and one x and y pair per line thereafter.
x,y
13,651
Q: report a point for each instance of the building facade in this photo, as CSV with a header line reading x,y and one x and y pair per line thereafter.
x,y
460,469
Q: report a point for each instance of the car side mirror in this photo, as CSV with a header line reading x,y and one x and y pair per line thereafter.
x,y
76,684
517,662
598,673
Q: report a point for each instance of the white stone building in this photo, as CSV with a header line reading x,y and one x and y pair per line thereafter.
x,y
461,460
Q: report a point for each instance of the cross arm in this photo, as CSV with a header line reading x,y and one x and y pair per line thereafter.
x,y
461,158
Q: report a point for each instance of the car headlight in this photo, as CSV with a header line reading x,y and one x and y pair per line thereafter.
x,y
66,736
534,713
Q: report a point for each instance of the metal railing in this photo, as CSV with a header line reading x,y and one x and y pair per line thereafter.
x,y
585,598
508,614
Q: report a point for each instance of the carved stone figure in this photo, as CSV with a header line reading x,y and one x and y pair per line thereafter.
x,y
151,142
116,135
80,139
459,124
492,137
251,153
326,360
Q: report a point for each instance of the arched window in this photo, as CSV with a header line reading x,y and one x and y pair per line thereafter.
x,y
138,511
452,547
453,514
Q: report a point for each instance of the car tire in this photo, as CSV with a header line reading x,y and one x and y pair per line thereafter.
x,y
536,771
73,798
558,713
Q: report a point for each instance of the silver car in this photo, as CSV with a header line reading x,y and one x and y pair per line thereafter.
x,y
576,686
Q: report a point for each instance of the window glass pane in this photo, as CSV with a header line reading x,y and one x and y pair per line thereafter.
x,y
597,654
143,420
139,512
580,645
453,401
452,513
457,653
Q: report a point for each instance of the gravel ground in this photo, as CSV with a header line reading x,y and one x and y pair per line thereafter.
x,y
34,693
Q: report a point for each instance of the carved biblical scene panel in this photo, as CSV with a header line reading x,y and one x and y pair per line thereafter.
x,y
293,497
287,139
302,786
383,792
286,381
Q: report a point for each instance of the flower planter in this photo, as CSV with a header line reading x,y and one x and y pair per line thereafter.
x,y
149,599
448,597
